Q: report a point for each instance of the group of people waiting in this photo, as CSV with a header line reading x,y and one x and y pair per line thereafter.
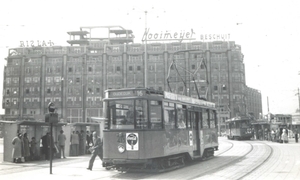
x,y
23,149
280,135
80,143
26,150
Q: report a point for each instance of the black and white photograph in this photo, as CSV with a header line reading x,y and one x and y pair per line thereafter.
x,y
140,89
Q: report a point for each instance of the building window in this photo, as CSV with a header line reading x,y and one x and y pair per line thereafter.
x,y
27,90
90,69
224,88
193,66
98,90
77,80
118,69
130,68
215,88
48,90
70,69
139,68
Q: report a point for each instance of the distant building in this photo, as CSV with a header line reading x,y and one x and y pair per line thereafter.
x,y
296,120
281,119
74,77
254,103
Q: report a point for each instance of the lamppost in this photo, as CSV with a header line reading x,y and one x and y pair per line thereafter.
x,y
145,40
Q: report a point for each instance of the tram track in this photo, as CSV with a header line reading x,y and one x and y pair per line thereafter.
x,y
241,167
238,160
260,164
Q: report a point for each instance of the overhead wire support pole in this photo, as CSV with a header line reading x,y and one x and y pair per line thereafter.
x,y
191,75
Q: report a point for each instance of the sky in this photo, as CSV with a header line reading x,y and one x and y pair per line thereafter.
x,y
268,32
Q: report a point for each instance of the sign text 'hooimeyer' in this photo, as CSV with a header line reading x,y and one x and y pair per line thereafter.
x,y
36,43
182,35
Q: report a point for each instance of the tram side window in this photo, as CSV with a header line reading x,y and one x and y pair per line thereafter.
x,y
169,115
205,120
156,114
181,117
212,119
244,124
141,114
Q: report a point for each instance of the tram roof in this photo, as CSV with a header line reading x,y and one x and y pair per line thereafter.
x,y
239,119
130,93
260,122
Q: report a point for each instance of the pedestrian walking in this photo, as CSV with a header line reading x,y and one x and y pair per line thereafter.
x,y
61,143
17,149
96,150
296,135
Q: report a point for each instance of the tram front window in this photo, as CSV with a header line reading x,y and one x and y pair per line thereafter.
x,y
124,115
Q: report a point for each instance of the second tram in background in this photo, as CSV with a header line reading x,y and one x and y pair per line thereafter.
x,y
157,131
239,128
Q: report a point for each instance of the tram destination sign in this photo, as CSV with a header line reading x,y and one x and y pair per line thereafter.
x,y
129,93
182,98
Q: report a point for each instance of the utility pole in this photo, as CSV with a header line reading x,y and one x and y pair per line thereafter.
x,y
298,99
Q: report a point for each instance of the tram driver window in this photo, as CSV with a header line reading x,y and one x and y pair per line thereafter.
x,y
120,115
169,115
155,114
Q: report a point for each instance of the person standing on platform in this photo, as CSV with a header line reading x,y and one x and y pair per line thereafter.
x,y
284,136
296,135
61,143
96,150
74,143
81,142
26,147
46,145
88,141
17,149
33,151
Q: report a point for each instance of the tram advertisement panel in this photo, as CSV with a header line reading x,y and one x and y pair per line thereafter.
x,y
132,141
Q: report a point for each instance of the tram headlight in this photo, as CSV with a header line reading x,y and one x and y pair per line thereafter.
x,y
121,148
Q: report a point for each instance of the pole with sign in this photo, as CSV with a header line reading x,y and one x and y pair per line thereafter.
x,y
51,117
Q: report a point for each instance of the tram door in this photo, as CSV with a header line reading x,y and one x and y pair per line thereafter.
x,y
196,126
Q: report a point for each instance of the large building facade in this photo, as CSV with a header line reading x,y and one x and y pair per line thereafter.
x,y
74,77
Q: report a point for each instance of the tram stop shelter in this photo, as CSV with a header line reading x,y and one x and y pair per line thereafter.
x,y
33,128
261,130
96,124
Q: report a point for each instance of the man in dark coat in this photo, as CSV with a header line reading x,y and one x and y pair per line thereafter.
x,y
46,145
96,150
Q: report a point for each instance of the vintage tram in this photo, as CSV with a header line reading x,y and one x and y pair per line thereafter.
x,y
239,128
156,130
